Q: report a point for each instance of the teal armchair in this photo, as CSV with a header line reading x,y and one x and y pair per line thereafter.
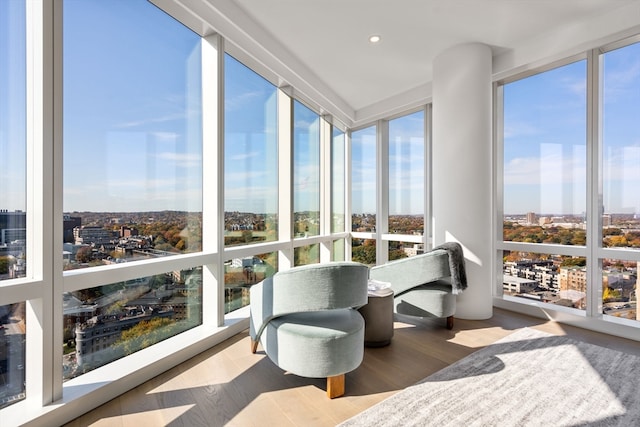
x,y
307,322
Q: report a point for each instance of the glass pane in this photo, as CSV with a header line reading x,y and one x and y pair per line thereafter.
x,y
620,148
364,251
13,127
545,150
106,323
338,180
406,174
132,133
250,157
619,289
338,250
12,354
242,273
306,255
306,171
363,179
399,250
554,279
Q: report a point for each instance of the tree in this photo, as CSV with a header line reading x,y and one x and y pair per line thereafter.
x,y
365,254
5,264
84,254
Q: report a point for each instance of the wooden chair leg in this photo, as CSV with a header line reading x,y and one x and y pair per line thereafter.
x,y
254,346
450,322
335,386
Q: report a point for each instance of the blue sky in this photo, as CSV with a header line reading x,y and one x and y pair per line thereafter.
x,y
132,120
12,105
545,149
132,138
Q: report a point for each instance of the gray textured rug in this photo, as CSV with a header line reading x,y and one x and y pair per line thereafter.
x,y
529,378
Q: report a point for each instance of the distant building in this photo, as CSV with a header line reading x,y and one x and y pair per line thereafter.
x,y
414,250
126,231
93,235
531,218
95,338
517,285
68,224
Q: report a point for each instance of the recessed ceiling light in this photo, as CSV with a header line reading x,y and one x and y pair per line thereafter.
x,y
374,38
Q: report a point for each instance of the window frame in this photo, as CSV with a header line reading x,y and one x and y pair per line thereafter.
x,y
592,317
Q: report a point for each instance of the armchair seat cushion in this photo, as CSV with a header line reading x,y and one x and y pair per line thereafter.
x,y
326,343
432,299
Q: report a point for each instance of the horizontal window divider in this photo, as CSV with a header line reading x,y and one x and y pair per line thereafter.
x,y
340,235
620,253
20,290
312,240
410,238
242,251
89,277
543,248
360,235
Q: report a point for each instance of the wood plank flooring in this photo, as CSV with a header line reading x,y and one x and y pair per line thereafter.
x,y
227,385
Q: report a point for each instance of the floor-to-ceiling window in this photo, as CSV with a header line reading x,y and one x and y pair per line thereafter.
x,y
13,202
338,191
389,189
406,201
620,221
569,186
364,194
306,181
544,186
132,177
250,178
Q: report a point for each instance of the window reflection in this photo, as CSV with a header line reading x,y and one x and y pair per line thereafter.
x,y
242,273
13,151
132,134
406,174
251,157
306,171
363,180
12,354
338,180
621,153
106,323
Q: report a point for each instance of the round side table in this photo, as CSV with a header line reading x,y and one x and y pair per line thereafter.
x,y
378,319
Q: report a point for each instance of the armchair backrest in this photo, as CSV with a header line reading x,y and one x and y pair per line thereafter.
x,y
307,288
407,273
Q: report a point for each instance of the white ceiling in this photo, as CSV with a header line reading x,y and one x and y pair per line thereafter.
x,y
321,48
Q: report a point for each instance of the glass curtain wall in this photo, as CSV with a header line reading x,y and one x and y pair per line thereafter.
x,y
363,194
13,199
251,157
131,281
132,177
620,222
250,179
545,181
562,244
406,185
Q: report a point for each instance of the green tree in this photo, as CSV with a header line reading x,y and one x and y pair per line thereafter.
x,y
84,254
5,264
365,254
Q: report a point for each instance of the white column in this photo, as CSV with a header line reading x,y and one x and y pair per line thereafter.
x,y
462,168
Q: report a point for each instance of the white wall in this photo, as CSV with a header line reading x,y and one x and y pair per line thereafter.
x,y
461,162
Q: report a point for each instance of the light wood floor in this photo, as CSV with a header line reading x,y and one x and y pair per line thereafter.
x,y
227,385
